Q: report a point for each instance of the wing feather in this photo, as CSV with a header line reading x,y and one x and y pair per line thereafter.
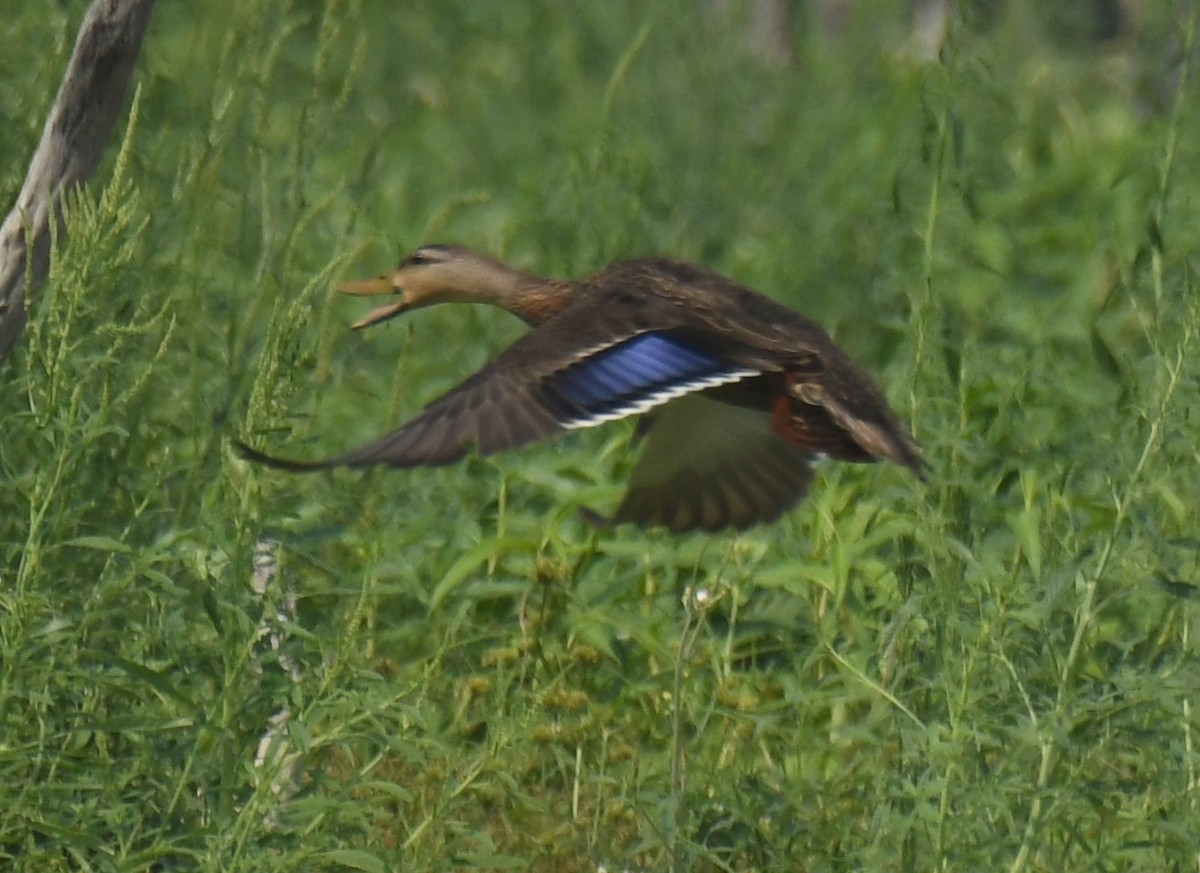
x,y
549,381
858,411
710,465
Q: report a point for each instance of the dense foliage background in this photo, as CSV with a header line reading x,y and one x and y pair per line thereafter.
x,y
994,670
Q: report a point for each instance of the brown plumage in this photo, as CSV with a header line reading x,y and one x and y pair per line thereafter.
x,y
742,391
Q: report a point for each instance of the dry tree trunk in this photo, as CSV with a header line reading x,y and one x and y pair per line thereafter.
x,y
769,26
81,121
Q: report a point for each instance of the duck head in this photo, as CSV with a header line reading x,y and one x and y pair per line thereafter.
x,y
440,274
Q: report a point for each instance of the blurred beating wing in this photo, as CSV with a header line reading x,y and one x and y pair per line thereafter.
x,y
710,465
533,391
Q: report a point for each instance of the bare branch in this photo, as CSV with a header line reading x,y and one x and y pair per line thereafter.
x,y
81,121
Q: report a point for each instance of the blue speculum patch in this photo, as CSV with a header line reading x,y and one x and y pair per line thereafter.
x,y
621,379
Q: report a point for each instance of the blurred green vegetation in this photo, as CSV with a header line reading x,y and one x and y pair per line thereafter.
x,y
990,671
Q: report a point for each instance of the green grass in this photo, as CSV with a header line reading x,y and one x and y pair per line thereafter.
x,y
991,671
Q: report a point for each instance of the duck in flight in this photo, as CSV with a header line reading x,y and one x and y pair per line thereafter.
x,y
740,393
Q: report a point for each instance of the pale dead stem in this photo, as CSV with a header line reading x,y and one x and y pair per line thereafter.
x,y
77,129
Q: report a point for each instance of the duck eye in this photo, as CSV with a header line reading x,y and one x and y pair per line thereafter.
x,y
416,259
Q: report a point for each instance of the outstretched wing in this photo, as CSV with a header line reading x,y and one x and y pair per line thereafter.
x,y
577,370
711,465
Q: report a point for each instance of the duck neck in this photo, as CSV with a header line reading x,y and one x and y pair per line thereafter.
x,y
480,279
534,300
